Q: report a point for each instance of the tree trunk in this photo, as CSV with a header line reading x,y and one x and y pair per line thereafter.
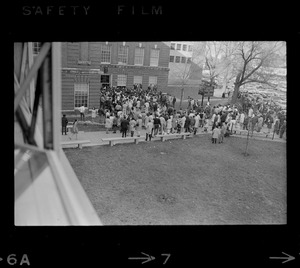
x,y
235,93
181,97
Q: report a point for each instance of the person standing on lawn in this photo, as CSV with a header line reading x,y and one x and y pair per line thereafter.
x,y
149,130
139,124
222,133
74,129
169,124
64,123
197,123
124,126
132,124
215,134
82,110
156,124
260,123
108,124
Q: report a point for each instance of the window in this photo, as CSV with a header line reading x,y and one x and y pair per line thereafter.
x,y
183,59
171,58
36,47
173,46
184,47
152,80
121,80
154,57
177,59
81,92
178,47
84,51
105,53
189,60
137,80
123,55
139,56
190,48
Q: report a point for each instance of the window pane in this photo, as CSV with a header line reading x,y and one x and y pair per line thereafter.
x,y
177,59
171,58
154,57
139,56
137,79
36,47
178,47
123,55
173,46
184,47
189,60
81,93
183,59
152,80
121,80
190,48
105,53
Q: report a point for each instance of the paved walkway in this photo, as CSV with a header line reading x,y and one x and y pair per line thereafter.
x,y
96,137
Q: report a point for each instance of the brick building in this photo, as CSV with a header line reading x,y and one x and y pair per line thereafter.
x,y
86,66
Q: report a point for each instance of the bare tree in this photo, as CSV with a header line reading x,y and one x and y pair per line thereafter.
x,y
251,63
183,72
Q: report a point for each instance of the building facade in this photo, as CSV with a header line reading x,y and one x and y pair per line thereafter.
x,y
87,66
186,65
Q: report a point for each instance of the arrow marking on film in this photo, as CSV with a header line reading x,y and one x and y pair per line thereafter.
x,y
148,258
289,258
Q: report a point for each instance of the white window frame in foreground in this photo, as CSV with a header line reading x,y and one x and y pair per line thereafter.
x,y
105,53
123,55
154,57
139,56
137,79
121,80
152,80
81,94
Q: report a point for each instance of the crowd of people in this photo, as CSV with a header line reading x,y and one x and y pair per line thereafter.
x,y
132,109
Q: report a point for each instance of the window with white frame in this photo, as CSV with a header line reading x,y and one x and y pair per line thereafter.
x,y
123,55
173,46
81,94
121,80
190,48
184,47
36,47
139,56
171,58
177,59
137,80
183,59
152,80
154,57
178,47
105,53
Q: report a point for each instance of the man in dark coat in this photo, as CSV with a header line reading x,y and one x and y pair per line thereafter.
x,y
64,123
124,126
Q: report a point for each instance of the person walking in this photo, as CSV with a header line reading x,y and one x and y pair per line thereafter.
x,y
74,129
124,126
64,123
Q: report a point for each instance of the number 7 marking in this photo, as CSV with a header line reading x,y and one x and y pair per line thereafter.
x,y
168,256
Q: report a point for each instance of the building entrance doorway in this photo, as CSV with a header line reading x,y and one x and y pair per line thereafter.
x,y
105,80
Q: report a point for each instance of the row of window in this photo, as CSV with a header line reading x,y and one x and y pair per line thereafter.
x,y
105,54
81,90
182,47
178,59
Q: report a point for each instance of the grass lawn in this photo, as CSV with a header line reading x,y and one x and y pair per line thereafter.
x,y
185,182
